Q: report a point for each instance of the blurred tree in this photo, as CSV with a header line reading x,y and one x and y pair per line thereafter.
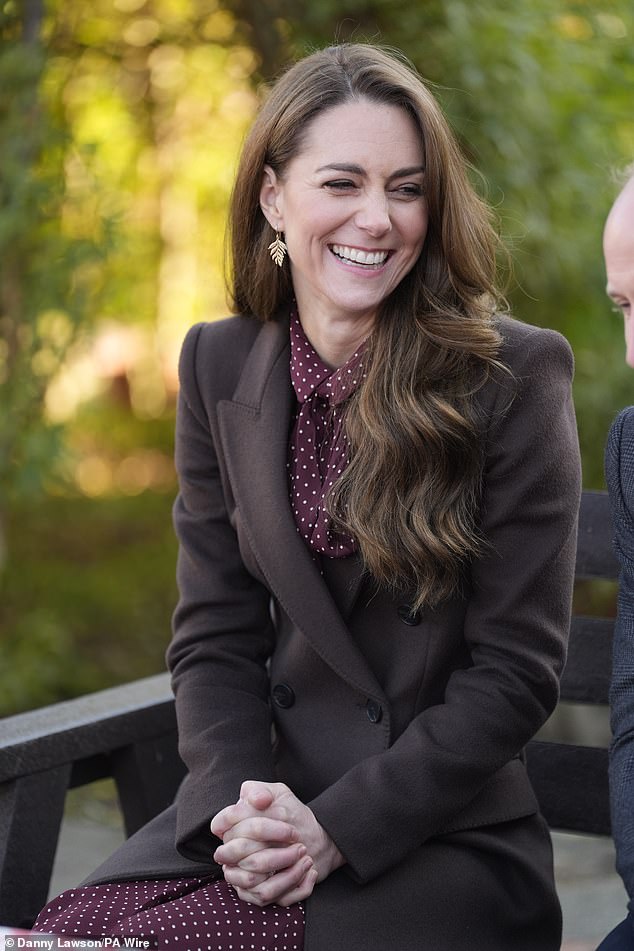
x,y
42,294
119,123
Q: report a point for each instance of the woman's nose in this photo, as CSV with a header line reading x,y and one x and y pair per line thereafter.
x,y
374,214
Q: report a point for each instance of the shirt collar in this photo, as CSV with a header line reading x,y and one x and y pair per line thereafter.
x,y
310,375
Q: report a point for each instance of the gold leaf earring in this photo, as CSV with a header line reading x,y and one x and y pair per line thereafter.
x,y
277,249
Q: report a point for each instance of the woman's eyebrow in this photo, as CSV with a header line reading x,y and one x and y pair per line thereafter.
x,y
342,167
404,172
358,170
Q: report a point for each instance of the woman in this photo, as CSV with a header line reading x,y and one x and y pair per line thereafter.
x,y
379,483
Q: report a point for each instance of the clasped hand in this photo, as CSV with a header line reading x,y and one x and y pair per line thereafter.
x,y
274,851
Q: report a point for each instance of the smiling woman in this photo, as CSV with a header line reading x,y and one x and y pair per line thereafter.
x,y
379,482
352,208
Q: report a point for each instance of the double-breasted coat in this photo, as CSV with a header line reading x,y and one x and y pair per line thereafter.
x,y
403,731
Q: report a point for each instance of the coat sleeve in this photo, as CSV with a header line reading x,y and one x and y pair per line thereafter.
x,y
516,629
223,632
619,469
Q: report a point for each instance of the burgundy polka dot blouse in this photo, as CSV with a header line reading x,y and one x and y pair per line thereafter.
x,y
318,446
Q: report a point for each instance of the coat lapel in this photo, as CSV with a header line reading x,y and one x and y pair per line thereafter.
x,y
254,428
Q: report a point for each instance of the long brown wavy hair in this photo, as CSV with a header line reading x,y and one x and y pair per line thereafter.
x,y
411,492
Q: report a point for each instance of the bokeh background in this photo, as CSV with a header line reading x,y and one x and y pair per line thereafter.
x,y
120,123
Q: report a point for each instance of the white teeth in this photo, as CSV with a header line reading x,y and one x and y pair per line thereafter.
x,y
359,256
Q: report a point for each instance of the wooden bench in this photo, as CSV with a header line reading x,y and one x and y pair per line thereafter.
x,y
129,733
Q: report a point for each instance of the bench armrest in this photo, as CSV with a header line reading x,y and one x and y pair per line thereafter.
x,y
126,732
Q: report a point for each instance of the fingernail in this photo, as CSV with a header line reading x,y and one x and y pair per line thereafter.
x,y
301,851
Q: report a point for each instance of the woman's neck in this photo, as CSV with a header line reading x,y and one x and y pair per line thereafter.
x,y
336,338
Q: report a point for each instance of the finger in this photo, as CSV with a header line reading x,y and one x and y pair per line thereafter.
x,y
258,794
267,861
256,797
242,879
239,849
263,829
226,819
258,805
258,856
302,891
230,816
284,881
275,886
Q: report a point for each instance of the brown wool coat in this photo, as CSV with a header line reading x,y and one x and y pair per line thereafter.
x,y
403,733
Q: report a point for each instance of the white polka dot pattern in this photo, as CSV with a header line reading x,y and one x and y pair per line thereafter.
x,y
193,914
318,446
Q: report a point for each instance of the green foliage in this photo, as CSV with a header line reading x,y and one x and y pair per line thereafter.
x,y
118,129
86,596
42,295
546,112
119,125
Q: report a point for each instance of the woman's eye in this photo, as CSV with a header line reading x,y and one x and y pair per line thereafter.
x,y
410,190
340,184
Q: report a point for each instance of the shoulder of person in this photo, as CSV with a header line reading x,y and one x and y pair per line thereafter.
x,y
619,457
619,476
527,346
621,435
207,339
537,365
214,352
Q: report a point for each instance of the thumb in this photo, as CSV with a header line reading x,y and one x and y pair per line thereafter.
x,y
257,794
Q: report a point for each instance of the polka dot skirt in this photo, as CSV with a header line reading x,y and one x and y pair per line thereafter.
x,y
189,913
318,446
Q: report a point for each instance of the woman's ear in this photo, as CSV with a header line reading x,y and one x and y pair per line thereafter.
x,y
271,199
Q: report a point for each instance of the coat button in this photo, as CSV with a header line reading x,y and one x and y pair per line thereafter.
x,y
408,616
283,695
374,711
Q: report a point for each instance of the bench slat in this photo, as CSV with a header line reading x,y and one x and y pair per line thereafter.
x,y
86,727
586,677
31,810
595,557
571,783
147,775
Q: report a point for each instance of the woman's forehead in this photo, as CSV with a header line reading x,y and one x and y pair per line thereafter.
x,y
362,128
